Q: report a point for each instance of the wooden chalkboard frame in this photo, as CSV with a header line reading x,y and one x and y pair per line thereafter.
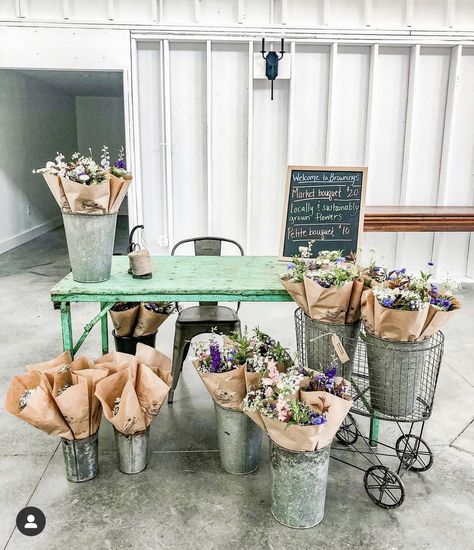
x,y
362,169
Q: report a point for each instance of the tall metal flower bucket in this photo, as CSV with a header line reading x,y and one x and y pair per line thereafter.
x,y
299,481
132,451
90,242
395,374
81,458
319,348
239,441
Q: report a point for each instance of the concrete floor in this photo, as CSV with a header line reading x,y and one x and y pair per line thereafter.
x,y
184,499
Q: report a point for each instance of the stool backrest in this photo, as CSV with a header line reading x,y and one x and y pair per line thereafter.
x,y
208,246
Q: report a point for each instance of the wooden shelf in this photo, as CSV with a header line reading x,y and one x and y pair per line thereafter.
x,y
418,218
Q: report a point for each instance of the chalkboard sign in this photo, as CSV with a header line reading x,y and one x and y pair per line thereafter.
x,y
324,205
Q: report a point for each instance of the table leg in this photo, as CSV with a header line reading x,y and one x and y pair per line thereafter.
x,y
374,431
104,330
66,326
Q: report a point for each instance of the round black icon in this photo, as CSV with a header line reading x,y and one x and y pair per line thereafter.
x,y
30,521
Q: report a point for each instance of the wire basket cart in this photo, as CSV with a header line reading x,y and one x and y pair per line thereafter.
x,y
393,382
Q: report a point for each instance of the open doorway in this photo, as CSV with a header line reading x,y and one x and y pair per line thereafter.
x,y
42,112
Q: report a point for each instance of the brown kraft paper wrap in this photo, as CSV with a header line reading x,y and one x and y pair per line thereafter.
x,y
336,410
56,363
57,189
148,321
151,390
353,311
41,410
398,325
367,302
129,419
87,199
152,357
226,388
118,190
252,379
297,292
328,304
294,437
92,376
115,361
142,393
435,320
124,321
73,402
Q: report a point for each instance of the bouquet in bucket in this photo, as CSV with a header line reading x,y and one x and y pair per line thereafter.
x,y
139,319
229,365
298,412
82,185
58,397
132,396
328,288
407,308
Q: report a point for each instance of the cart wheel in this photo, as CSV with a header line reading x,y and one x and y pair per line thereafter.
x,y
414,453
348,431
384,487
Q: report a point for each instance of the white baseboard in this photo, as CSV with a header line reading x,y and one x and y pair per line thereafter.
x,y
29,234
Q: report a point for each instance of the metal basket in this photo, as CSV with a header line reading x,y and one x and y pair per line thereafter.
x,y
403,390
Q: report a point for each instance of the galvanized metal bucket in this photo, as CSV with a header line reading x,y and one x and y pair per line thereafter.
x,y
395,374
320,350
81,458
132,451
90,242
239,441
299,480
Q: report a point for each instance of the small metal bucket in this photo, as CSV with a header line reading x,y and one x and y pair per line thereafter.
x,y
90,242
132,451
319,348
239,441
81,458
395,374
299,480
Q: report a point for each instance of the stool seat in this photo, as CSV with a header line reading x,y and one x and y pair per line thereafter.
x,y
207,314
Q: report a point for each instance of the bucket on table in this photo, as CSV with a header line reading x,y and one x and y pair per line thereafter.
x,y
239,441
81,458
132,451
395,374
90,242
128,344
320,350
299,481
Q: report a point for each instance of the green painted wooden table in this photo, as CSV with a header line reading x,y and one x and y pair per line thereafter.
x,y
176,279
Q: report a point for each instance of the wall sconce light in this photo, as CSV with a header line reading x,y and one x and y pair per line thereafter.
x,y
271,62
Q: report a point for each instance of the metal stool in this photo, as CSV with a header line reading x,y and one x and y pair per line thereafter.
x,y
204,317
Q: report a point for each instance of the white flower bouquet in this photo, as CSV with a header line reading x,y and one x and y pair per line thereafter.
x,y
82,185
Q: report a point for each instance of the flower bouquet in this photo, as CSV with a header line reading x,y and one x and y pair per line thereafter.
x,y
151,316
89,203
138,322
301,426
124,317
221,366
261,354
332,291
131,398
399,321
58,398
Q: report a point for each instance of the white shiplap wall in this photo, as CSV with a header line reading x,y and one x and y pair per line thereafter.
x,y
406,111
383,83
